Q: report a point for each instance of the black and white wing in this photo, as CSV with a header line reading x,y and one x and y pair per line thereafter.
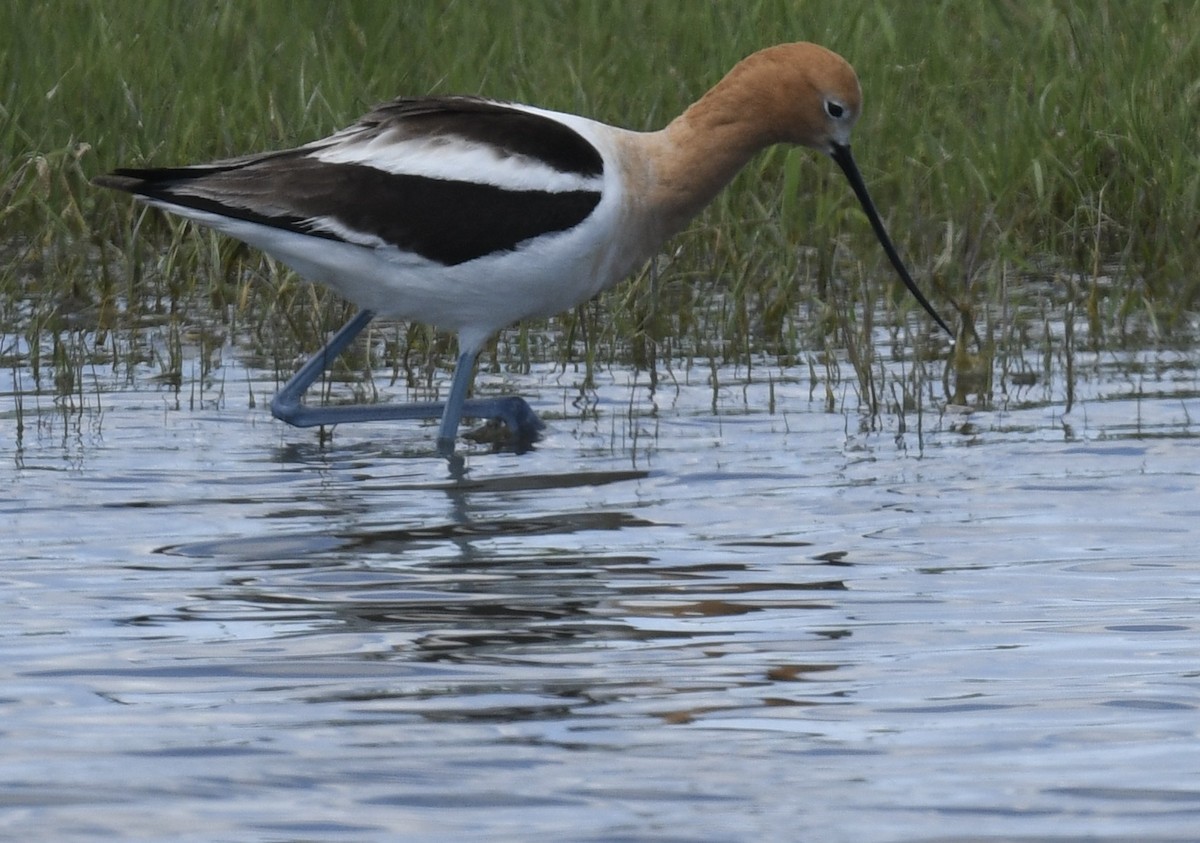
x,y
450,179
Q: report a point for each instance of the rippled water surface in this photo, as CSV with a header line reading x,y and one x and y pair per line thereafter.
x,y
663,624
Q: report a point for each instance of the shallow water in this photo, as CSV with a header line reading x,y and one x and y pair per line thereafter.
x,y
663,624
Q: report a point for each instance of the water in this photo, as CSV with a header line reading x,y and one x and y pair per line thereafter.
x,y
663,624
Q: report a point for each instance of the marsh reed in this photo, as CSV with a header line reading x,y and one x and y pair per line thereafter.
x,y
1029,157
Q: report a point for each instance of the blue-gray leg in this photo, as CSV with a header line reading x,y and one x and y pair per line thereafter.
x,y
286,405
522,423
519,418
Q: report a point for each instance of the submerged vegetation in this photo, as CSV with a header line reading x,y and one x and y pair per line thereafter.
x,y
1037,163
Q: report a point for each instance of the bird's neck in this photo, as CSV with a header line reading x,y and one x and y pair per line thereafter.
x,y
685,165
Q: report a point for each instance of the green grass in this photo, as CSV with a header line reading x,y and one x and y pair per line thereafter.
x,y
1022,152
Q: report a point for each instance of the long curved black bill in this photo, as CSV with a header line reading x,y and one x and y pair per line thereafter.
x,y
841,154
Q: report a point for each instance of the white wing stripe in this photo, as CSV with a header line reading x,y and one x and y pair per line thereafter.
x,y
455,159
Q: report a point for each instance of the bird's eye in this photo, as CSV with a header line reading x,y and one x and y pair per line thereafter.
x,y
834,109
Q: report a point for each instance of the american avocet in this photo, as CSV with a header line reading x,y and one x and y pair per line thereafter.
x,y
470,214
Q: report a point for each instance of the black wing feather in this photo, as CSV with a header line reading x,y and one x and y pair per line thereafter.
x,y
443,220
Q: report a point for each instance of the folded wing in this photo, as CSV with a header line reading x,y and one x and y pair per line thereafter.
x,y
448,179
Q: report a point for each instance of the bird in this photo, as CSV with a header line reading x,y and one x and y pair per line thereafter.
x,y
470,214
